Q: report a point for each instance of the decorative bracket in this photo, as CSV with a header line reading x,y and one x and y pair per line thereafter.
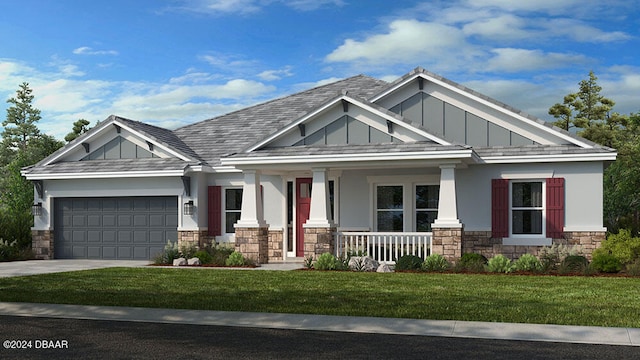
x,y
39,187
186,182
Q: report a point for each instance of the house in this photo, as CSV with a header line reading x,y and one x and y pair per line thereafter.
x,y
421,165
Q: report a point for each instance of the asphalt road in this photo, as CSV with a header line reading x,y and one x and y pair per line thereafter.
x,y
90,339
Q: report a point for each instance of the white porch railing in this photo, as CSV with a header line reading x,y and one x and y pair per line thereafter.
x,y
383,247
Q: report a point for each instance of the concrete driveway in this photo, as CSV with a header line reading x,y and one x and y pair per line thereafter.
x,y
35,267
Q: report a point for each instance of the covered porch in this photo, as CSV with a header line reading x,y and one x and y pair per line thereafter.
x,y
378,201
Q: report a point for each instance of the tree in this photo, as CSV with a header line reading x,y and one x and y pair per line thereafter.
x,y
589,112
79,127
20,125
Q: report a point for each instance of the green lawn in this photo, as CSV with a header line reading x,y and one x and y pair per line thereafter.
x,y
600,301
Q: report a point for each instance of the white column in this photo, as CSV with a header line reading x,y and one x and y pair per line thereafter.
x,y
252,214
447,203
320,212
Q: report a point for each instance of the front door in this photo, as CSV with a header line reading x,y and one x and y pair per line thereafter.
x,y
303,206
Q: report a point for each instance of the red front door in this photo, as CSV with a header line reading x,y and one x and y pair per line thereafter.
x,y
303,206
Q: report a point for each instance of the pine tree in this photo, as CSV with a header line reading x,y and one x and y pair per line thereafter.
x,y
20,125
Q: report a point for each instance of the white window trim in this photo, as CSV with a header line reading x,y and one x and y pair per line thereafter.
x,y
408,184
528,239
227,236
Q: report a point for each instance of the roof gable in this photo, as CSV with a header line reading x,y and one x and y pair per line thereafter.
x,y
506,125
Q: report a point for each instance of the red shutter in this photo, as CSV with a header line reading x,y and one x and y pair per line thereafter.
x,y
499,208
215,211
555,208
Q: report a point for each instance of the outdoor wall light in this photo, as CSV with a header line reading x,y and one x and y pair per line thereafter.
x,y
36,209
189,208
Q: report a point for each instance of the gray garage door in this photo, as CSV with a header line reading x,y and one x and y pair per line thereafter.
x,y
114,228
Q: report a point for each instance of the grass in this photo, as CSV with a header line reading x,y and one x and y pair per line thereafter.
x,y
598,301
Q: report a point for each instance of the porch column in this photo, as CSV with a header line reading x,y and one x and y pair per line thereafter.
x,y
319,229
320,212
252,232
252,212
447,229
447,203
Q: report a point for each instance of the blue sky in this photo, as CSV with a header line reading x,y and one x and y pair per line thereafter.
x,y
174,62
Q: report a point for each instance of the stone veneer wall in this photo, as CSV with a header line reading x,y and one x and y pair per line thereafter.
x,y
481,242
42,244
253,243
275,244
318,241
197,238
447,242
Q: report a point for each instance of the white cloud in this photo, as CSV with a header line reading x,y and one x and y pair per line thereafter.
x,y
245,7
309,5
273,75
514,60
549,6
405,42
85,50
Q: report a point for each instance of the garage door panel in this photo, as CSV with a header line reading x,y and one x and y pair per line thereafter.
x,y
114,228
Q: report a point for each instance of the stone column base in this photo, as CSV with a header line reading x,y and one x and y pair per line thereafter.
x,y
447,242
275,244
318,241
42,244
198,238
587,240
253,243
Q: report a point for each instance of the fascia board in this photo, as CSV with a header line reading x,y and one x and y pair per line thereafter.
x,y
521,159
302,159
105,175
485,103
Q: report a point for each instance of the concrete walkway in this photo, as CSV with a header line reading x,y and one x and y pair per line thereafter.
x,y
465,329
462,329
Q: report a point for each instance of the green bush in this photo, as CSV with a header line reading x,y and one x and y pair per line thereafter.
x,y
551,257
574,263
235,259
409,262
170,253
633,269
527,262
204,256
499,264
9,251
605,262
471,262
623,246
435,262
326,261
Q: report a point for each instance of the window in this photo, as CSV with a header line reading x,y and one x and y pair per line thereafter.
x,y
390,211
232,208
426,206
527,208
407,207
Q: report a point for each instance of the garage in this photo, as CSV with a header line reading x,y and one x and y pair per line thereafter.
x,y
127,228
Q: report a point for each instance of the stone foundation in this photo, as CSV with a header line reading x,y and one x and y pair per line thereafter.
x,y
275,244
447,242
42,244
198,238
481,242
253,243
318,241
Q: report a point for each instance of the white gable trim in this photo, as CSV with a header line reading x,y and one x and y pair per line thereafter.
x,y
365,107
484,102
105,175
521,159
100,129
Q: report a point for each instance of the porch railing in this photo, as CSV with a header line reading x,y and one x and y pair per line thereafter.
x,y
383,247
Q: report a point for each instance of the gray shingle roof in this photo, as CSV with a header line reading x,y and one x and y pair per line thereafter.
x,y
538,150
109,166
230,133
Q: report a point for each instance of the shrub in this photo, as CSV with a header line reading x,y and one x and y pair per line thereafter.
x,y
308,262
574,263
168,254
219,253
9,251
552,257
188,251
435,262
499,264
605,262
235,259
623,246
326,261
633,269
471,262
204,256
409,262
527,262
